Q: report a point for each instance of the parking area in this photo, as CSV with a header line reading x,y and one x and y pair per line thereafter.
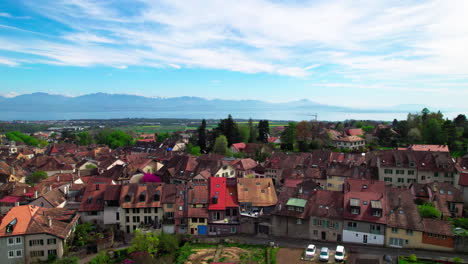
x,y
294,255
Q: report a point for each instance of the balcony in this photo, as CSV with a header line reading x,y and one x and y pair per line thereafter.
x,y
255,212
227,220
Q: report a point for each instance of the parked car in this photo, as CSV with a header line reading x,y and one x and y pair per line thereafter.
x,y
310,251
339,253
324,255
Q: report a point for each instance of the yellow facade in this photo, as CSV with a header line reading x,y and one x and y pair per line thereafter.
x,y
193,226
413,240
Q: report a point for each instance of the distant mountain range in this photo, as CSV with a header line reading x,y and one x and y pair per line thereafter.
x,y
124,103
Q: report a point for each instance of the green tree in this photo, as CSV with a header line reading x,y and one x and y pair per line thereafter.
x,y
162,136
460,121
289,137
193,150
252,131
168,244
84,139
432,132
263,131
228,128
36,177
428,210
201,142
20,137
144,242
244,133
221,145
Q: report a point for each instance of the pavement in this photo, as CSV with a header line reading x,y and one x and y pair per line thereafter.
x,y
350,248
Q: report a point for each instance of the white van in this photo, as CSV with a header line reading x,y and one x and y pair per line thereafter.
x,y
339,253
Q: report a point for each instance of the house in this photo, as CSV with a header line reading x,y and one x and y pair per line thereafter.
x,y
197,213
326,215
364,212
349,142
53,166
434,148
462,169
168,202
400,168
437,235
244,167
404,224
92,203
226,170
112,209
354,132
141,207
223,208
52,199
444,196
238,147
30,233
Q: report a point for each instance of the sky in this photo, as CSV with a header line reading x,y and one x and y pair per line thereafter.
x,y
350,53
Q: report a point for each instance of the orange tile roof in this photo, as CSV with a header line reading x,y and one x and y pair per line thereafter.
x,y
23,215
258,191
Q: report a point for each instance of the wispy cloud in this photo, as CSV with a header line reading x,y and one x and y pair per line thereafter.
x,y
2,14
363,40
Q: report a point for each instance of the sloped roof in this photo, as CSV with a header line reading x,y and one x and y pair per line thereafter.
x,y
296,202
135,191
258,191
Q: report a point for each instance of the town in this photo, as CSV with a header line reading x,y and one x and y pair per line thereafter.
x,y
70,194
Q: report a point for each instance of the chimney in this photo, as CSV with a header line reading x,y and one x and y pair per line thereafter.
x,y
36,194
49,221
24,190
49,188
17,204
58,178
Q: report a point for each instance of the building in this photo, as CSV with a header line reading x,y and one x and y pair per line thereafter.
x,y
30,233
92,204
223,208
198,209
349,142
364,212
141,207
112,209
434,148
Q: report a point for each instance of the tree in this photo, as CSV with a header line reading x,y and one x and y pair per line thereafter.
x,y
460,120
303,131
84,139
162,136
428,210
221,145
263,131
289,137
252,131
228,128
424,113
114,138
144,242
432,132
202,136
244,133
37,176
168,244
193,150
414,135
20,137
395,123
368,128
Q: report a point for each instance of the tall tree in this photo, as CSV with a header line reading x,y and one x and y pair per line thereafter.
x,y
460,120
202,136
432,132
244,133
289,137
252,131
84,138
263,131
228,128
221,145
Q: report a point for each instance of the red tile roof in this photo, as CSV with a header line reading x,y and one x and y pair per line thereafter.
x,y
218,191
93,197
355,132
441,148
131,195
258,191
239,146
365,191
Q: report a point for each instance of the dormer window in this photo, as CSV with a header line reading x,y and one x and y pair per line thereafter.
x,y
398,164
355,206
127,198
142,197
90,198
412,164
376,208
157,196
11,226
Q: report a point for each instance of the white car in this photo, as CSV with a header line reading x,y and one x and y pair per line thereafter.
x,y
324,254
310,251
339,253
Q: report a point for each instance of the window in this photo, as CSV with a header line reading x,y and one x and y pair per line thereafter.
x,y
127,218
299,221
51,241
201,220
11,254
388,171
169,205
37,253
394,230
117,216
36,242
411,172
233,229
19,253
194,220
315,232
401,172
409,232
11,241
155,210
352,225
388,179
354,210
18,240
423,178
52,252
180,208
410,180
127,211
401,180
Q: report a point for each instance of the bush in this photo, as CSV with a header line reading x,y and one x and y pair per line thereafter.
x,y
36,177
168,244
460,222
427,210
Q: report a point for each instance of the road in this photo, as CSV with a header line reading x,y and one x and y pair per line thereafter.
x,y
360,249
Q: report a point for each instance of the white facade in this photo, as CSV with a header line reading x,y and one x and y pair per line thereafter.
x,y
112,215
363,238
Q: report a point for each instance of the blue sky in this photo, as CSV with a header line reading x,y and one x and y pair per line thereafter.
x,y
351,53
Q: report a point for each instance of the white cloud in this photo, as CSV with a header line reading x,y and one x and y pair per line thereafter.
x,y
5,15
362,40
8,62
